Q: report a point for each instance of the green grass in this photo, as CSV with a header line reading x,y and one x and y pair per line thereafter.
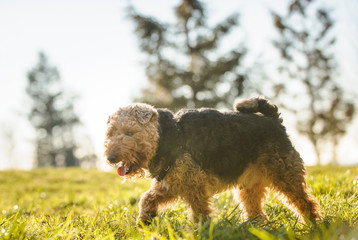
x,y
81,204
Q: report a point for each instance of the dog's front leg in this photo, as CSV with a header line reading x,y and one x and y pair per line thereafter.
x,y
150,201
199,202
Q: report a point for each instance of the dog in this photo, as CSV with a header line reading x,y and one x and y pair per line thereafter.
x,y
196,153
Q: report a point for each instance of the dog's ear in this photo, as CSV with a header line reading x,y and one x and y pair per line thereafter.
x,y
144,115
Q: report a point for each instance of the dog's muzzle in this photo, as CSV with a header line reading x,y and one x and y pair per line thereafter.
x,y
112,159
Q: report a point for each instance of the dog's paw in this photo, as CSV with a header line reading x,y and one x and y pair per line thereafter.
x,y
143,221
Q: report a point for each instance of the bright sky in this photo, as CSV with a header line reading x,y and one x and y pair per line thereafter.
x,y
93,45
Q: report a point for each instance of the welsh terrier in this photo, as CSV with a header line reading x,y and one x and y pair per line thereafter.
x,y
196,153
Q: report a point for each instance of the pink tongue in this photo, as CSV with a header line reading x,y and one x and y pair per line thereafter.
x,y
122,170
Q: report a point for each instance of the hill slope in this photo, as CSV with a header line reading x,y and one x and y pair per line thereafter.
x,y
89,204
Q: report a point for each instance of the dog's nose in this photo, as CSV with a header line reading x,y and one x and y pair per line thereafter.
x,y
111,158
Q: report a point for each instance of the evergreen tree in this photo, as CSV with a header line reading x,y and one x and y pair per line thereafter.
x,y
184,66
311,92
53,117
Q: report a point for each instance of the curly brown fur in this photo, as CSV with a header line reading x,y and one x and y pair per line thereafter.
x,y
259,104
195,154
135,151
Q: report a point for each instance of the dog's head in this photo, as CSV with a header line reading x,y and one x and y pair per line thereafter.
x,y
131,139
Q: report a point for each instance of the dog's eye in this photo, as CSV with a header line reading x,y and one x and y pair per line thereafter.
x,y
129,133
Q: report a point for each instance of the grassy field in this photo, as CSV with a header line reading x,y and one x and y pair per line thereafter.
x,y
80,204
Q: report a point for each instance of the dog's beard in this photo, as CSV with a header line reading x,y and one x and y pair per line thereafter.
x,y
132,167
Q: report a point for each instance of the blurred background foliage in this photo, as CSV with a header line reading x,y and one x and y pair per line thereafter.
x,y
184,69
188,64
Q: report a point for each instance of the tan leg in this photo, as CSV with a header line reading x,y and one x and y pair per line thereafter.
x,y
199,202
298,196
193,185
289,179
252,191
251,199
152,199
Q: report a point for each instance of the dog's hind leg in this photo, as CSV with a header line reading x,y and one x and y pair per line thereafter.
x,y
288,178
252,192
251,201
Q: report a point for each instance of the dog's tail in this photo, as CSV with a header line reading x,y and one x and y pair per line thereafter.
x,y
259,104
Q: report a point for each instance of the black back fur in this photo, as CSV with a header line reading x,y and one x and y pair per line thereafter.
x,y
222,143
